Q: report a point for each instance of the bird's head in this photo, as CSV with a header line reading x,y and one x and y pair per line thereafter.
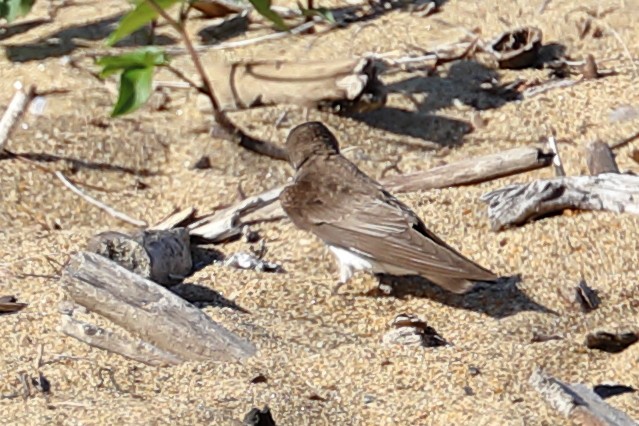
x,y
309,139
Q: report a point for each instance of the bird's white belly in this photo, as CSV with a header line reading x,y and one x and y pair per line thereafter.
x,y
352,261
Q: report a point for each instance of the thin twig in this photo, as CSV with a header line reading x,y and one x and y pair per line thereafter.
x,y
91,200
543,6
179,74
625,142
623,44
14,111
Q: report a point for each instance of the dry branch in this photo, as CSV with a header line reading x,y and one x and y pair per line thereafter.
x,y
110,210
472,170
160,256
149,311
600,159
578,402
341,84
517,204
14,111
227,223
98,337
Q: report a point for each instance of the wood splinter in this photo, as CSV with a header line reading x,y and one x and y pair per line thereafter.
x,y
152,313
98,337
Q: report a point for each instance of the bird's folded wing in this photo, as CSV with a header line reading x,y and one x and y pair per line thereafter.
x,y
390,233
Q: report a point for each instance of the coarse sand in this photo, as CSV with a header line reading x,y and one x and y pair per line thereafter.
x,y
322,356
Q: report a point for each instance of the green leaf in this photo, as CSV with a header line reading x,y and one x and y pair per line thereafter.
x,y
263,7
136,79
141,58
136,86
14,9
137,18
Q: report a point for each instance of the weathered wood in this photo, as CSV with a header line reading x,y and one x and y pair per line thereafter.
x,y
578,402
162,256
339,85
472,170
98,337
149,311
600,159
226,224
517,204
174,219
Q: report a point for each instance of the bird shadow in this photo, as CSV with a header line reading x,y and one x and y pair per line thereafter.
x,y
63,42
497,300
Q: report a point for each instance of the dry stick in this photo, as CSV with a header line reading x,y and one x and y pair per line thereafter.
x,y
625,142
472,170
517,204
578,402
623,44
149,311
14,111
98,337
220,117
600,159
99,204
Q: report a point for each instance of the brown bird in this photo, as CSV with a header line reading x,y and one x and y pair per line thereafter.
x,y
364,226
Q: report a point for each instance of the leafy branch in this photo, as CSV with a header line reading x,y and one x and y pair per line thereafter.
x,y
137,70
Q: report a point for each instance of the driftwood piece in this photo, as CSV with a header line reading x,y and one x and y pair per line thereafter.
x,y
472,170
161,256
517,204
98,337
149,311
174,220
339,85
578,402
600,159
227,224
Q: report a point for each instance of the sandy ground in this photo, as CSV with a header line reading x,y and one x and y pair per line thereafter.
x,y
322,356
